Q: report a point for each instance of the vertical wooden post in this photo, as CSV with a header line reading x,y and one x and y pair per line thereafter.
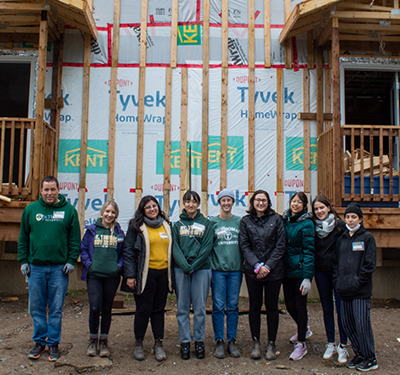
x,y
55,94
320,93
279,140
142,89
84,132
267,33
310,49
113,100
337,133
41,84
251,103
288,42
306,134
183,154
224,96
327,95
167,140
174,32
204,137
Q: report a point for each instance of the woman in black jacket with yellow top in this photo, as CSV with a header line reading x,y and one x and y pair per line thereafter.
x,y
148,271
354,264
262,243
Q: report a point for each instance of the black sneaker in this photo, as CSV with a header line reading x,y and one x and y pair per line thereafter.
x,y
185,350
54,353
355,361
36,351
199,349
367,365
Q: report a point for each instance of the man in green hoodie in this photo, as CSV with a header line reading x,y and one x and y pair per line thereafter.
x,y
48,248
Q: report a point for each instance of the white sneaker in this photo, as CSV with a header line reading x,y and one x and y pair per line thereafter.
x,y
343,354
294,338
329,351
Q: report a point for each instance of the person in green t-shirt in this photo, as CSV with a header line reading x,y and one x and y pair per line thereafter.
x,y
226,265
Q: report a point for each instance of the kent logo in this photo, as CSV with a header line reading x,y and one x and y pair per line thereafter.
x,y
70,156
189,35
266,96
234,155
295,153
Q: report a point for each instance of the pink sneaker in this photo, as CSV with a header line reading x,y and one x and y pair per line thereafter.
x,y
294,338
299,351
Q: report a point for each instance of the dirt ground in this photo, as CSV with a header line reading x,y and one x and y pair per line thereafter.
x,y
16,340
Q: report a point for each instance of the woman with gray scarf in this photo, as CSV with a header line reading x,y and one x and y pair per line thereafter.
x,y
148,272
328,228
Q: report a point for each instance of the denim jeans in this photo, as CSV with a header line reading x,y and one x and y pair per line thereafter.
x,y
328,295
192,290
225,288
47,287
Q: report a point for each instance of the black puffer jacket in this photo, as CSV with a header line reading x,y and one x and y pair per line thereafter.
x,y
354,263
325,248
263,240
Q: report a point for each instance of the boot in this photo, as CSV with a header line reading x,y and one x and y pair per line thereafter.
x,y
220,350
270,354
104,352
91,350
139,353
256,352
233,350
159,353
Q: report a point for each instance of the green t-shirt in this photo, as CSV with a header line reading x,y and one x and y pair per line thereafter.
x,y
225,255
105,256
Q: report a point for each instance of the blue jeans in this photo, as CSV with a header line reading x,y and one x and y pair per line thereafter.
x,y
47,287
328,295
192,290
225,293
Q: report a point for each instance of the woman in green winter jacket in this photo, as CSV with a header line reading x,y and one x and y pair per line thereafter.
x,y
299,268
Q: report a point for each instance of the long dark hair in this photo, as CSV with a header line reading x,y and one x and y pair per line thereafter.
x,y
138,219
302,197
325,201
252,211
191,194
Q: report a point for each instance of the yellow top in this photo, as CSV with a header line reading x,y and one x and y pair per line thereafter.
x,y
159,242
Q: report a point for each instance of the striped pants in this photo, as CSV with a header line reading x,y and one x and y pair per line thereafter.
x,y
356,321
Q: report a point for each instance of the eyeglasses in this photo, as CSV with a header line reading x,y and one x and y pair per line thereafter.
x,y
151,207
297,201
261,200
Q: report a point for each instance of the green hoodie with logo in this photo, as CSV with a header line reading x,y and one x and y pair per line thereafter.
x,y
192,242
49,234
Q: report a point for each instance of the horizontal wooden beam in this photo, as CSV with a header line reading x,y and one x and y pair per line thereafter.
x,y
363,16
20,30
312,116
370,38
22,7
313,6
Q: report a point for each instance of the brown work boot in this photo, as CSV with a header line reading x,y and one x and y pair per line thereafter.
x,y
91,350
104,352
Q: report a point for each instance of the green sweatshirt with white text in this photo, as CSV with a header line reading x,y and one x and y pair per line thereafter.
x,y
49,234
192,254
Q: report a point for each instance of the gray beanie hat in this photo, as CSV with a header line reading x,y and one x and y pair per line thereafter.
x,y
226,193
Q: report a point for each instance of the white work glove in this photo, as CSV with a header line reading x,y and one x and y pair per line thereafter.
x,y
68,268
25,269
305,287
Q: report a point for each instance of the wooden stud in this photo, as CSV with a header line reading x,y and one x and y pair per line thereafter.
x,y
11,163
279,140
183,155
267,33
320,93
380,163
84,131
288,42
251,102
310,49
174,32
306,134
328,96
224,96
337,133
21,156
167,140
204,137
113,100
41,84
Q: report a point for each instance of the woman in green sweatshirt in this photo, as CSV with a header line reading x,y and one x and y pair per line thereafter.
x,y
192,245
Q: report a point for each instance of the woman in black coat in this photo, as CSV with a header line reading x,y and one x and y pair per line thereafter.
x,y
262,243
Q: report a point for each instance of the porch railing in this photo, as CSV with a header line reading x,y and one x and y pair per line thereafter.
x,y
325,163
369,170
17,155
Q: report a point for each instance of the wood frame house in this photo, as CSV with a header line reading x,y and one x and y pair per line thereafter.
x,y
33,142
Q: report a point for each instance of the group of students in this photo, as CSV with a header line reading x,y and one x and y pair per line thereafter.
x,y
196,254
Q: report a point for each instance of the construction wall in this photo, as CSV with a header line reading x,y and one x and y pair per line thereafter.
x,y
190,70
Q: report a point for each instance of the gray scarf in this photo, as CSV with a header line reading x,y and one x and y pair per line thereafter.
x,y
324,227
153,223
